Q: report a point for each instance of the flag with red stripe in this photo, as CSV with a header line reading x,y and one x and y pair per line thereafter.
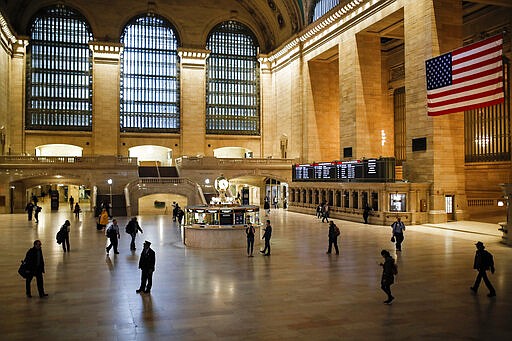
x,y
468,78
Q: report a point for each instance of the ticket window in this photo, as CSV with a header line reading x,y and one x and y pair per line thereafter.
x,y
397,202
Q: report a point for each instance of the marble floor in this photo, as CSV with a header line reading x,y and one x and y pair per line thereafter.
x,y
298,293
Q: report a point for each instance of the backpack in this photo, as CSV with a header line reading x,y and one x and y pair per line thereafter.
x,y
38,209
129,228
111,232
60,236
337,231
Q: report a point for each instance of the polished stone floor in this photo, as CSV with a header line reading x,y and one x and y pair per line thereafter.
x,y
298,293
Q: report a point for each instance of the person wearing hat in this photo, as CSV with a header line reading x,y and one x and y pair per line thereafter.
x,y
483,262
65,236
147,265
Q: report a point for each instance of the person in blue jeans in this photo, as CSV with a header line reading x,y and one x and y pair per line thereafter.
x,y
398,233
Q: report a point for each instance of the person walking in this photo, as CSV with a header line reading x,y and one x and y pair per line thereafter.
x,y
334,232
325,213
71,202
30,209
37,210
366,213
147,265
77,211
132,228
250,232
65,235
267,235
319,210
398,233
112,232
483,262
388,275
266,206
35,265
102,219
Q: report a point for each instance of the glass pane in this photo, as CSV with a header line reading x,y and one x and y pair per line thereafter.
x,y
232,90
59,78
149,76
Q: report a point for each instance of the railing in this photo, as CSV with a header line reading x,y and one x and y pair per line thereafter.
x,y
482,202
166,181
21,160
213,162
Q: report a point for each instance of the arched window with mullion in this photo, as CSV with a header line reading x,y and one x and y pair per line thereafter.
x,y
150,76
232,81
321,7
59,71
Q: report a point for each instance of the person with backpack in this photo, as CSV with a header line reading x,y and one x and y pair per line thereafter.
x,y
250,232
483,262
64,236
112,233
389,270
132,228
333,234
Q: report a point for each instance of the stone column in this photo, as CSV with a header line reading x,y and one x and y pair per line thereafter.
x,y
193,106
15,137
105,97
433,27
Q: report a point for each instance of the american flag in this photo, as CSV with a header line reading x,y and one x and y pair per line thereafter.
x,y
468,78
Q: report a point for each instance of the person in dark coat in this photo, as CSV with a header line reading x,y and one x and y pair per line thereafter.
x,y
333,234
267,235
366,213
77,211
388,275
483,262
147,265
132,229
112,233
30,209
250,231
35,265
65,233
37,210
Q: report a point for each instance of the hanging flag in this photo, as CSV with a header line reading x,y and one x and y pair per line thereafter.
x,y
468,78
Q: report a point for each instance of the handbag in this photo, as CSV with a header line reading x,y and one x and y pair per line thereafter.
x,y
393,239
23,271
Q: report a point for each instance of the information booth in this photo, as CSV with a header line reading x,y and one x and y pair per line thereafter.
x,y
220,227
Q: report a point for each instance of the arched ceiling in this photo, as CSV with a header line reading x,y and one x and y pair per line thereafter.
x,y
272,21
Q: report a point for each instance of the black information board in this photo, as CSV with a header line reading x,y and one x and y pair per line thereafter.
x,y
365,170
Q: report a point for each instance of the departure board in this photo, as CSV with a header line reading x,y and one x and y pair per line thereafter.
x,y
365,170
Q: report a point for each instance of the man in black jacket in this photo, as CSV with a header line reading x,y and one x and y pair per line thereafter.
x,y
147,265
267,235
132,229
35,265
483,262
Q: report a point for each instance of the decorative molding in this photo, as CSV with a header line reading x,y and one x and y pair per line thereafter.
x,y
193,57
7,38
106,52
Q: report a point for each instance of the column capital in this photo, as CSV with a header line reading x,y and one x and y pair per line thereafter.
x,y
19,48
191,57
106,52
265,62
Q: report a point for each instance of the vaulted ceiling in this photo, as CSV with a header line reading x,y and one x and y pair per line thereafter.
x,y
272,21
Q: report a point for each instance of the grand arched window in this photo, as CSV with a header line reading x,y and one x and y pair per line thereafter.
x,y
232,81
321,7
149,76
59,79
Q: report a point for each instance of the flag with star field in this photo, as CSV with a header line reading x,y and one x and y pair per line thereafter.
x,y
468,78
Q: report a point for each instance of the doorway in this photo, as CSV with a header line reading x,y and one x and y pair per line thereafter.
x,y
449,207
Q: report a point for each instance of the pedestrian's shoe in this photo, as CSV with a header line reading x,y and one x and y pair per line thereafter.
x,y
491,294
328,253
147,291
138,291
266,254
116,253
473,289
262,251
389,300
43,295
